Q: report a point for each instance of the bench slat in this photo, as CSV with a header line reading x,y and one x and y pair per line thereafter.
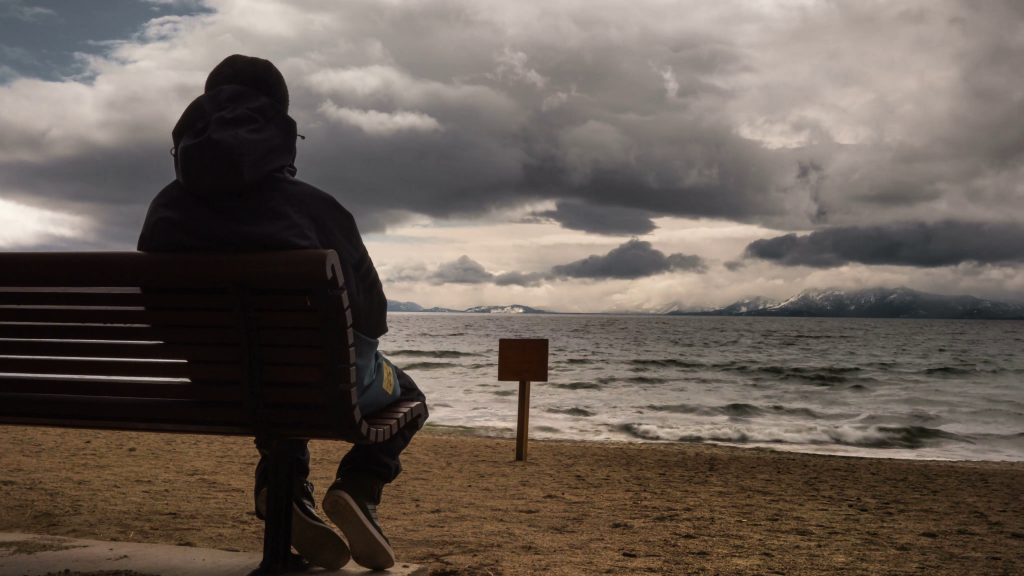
x,y
281,395
118,316
289,337
283,302
174,335
391,426
291,396
210,353
232,392
152,301
162,427
154,317
122,299
168,334
129,368
122,409
282,355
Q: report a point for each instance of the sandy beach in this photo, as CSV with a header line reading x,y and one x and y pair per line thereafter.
x,y
463,506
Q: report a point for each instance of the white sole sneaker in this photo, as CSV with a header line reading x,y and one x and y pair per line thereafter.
x,y
315,541
369,548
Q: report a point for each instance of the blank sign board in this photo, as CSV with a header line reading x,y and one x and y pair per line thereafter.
x,y
523,360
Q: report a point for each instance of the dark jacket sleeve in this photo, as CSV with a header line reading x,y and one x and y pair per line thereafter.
x,y
337,230
370,316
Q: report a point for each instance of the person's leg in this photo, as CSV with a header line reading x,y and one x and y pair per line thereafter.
x,y
301,468
351,502
381,460
314,540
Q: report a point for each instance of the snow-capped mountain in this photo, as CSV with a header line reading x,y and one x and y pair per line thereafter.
x,y
749,305
512,309
874,303
396,306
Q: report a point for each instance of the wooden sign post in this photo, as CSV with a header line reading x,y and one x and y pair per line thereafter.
x,y
524,361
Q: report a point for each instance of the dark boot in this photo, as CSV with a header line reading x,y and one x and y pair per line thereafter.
x,y
351,503
311,537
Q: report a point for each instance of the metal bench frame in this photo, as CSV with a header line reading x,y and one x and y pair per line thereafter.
x,y
253,344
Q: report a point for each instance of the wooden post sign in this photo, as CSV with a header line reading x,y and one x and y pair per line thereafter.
x,y
525,361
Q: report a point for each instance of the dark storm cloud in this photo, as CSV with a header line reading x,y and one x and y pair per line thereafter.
x,y
911,244
522,278
634,259
618,113
600,219
111,187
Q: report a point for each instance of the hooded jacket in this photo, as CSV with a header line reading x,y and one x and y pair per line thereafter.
x,y
235,191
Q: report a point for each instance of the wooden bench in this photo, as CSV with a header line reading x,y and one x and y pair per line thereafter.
x,y
257,344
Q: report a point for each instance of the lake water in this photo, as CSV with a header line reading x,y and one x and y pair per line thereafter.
x,y
888,388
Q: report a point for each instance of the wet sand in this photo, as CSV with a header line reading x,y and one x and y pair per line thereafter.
x,y
463,506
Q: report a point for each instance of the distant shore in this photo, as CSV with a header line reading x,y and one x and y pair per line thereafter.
x,y
463,506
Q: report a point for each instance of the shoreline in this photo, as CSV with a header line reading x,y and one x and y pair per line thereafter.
x,y
510,434
463,506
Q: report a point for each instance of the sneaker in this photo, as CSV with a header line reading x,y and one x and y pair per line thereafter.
x,y
351,503
312,538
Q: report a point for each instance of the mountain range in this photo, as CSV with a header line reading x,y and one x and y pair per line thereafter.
x,y
396,306
871,303
830,303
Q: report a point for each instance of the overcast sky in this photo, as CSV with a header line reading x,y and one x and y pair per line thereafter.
x,y
574,156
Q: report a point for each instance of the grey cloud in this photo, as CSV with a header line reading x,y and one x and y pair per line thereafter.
x,y
601,219
631,260
462,271
642,111
634,259
521,278
923,245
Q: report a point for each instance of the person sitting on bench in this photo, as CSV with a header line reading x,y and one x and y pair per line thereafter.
x,y
235,191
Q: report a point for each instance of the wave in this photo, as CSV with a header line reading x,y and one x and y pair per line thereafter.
x,y
576,385
823,376
645,380
803,412
736,410
741,410
958,371
428,366
820,379
571,411
431,353
578,361
669,363
912,418
881,437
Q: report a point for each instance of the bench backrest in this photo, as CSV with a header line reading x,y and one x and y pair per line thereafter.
x,y
236,344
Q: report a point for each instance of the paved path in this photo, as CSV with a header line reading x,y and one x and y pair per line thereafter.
x,y
29,555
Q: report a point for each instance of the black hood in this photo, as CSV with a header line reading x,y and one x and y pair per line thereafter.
x,y
230,138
